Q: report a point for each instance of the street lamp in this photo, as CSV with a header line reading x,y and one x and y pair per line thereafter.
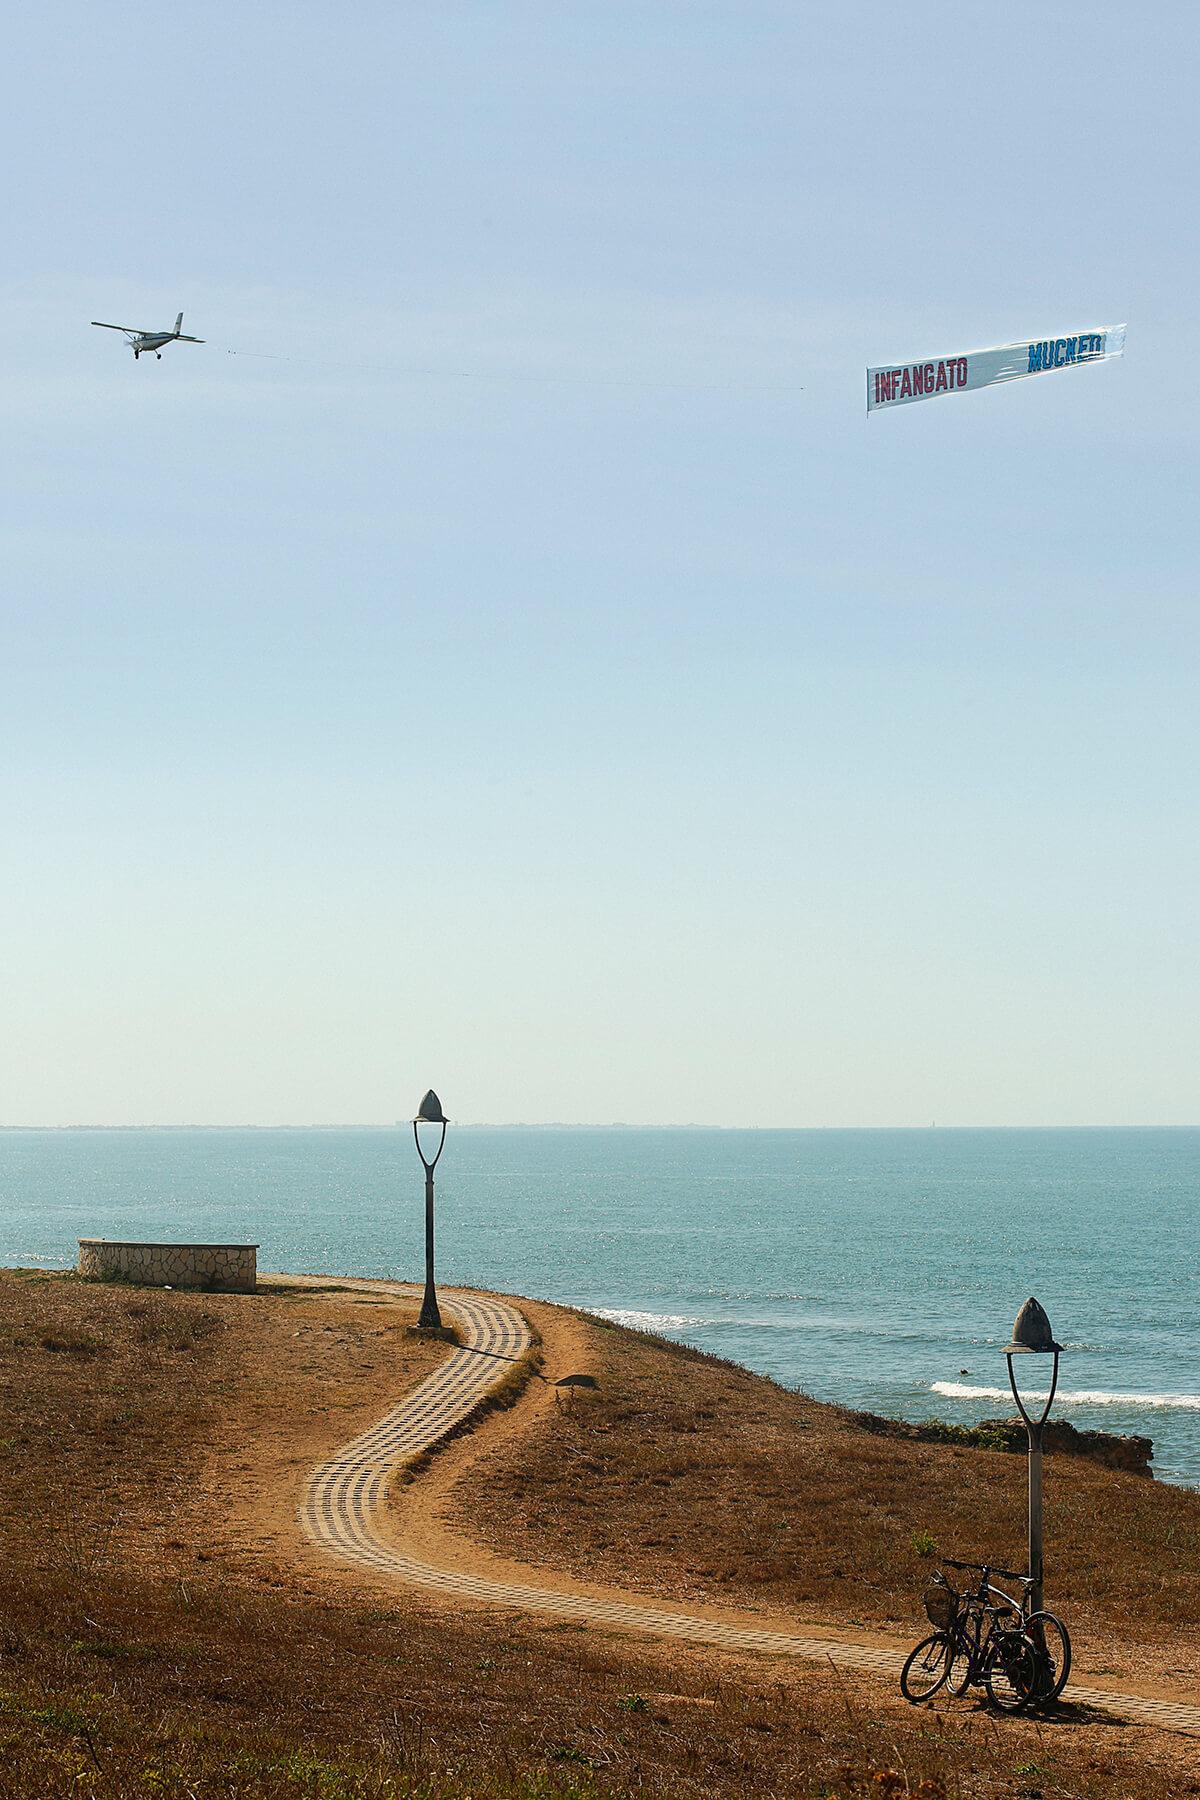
x,y
429,1113
1032,1336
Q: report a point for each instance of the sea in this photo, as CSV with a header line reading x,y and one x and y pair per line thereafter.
x,y
878,1269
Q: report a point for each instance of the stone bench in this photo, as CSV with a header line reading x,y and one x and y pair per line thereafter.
x,y
213,1268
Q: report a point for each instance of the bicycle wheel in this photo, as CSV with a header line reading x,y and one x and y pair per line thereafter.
x,y
1010,1674
1052,1648
960,1662
926,1668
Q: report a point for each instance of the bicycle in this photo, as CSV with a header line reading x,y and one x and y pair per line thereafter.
x,y
1045,1631
975,1642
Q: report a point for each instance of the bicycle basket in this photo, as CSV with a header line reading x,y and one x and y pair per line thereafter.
x,y
941,1605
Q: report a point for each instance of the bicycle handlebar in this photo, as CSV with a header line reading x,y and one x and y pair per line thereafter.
x,y
992,1569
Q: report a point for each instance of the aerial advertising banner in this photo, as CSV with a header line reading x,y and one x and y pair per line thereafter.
x,y
901,383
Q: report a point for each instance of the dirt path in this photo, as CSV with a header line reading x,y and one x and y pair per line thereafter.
x,y
345,1510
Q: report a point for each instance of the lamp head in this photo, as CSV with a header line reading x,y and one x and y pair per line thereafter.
x,y
1031,1332
430,1111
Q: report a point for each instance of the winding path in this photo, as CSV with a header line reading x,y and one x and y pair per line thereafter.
x,y
343,1497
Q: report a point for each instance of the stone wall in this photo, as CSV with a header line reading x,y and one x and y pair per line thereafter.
x,y
214,1268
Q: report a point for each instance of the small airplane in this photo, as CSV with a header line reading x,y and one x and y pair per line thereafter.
x,y
150,340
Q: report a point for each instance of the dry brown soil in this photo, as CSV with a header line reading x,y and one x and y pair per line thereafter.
x,y
166,1630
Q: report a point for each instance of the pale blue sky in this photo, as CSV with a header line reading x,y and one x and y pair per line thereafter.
x,y
543,681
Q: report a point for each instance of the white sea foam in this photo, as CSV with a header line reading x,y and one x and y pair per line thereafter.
x,y
652,1321
646,1321
961,1390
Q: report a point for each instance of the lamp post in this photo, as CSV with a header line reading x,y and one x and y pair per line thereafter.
x,y
1032,1336
429,1113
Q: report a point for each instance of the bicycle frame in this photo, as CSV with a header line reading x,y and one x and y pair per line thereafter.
x,y
983,1637
987,1611
1024,1614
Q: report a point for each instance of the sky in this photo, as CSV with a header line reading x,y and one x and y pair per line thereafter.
x,y
505,656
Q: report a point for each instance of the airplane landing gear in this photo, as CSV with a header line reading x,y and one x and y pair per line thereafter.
x,y
136,354
158,356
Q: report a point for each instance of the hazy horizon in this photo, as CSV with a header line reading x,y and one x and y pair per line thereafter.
x,y
598,1125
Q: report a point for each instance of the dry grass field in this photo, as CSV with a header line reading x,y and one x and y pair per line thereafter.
x,y
165,1631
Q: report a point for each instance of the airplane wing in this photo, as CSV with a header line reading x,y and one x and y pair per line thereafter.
x,y
181,337
135,329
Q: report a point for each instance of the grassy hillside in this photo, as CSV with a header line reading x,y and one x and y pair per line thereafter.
x,y
689,1478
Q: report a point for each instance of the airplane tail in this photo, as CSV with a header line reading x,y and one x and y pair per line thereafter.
x,y
179,325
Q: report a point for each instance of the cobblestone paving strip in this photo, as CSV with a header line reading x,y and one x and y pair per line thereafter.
x,y
342,1497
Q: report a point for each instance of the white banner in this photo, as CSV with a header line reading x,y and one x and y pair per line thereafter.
x,y
901,383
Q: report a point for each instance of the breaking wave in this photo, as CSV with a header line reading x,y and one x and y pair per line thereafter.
x,y
960,1390
829,1328
646,1321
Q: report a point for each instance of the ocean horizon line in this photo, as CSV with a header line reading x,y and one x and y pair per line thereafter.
x,y
383,1126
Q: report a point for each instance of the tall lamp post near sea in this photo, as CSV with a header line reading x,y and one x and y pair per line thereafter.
x,y
429,1113
1032,1336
